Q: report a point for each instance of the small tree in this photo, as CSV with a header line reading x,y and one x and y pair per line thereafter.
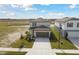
x,y
26,32
28,36
21,46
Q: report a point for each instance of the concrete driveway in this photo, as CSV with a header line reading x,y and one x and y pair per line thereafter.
x,y
41,47
75,41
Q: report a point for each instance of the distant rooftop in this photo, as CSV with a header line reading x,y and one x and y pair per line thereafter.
x,y
67,19
40,20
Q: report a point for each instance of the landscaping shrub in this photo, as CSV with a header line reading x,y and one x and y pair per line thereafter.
x,y
21,37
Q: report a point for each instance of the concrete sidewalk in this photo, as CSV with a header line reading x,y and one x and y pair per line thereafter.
x,y
65,51
15,49
41,47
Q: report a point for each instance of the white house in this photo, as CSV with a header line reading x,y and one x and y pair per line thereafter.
x,y
40,28
70,25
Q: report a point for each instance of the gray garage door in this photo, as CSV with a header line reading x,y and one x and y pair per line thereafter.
x,y
42,34
73,34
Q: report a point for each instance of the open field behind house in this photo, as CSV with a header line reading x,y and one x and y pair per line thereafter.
x,y
11,26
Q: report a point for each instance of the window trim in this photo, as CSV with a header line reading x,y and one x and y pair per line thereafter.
x,y
69,24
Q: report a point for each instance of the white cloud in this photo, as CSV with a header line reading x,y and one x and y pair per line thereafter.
x,y
8,14
72,6
26,5
20,5
43,10
48,15
1,5
23,6
30,9
3,11
56,13
14,5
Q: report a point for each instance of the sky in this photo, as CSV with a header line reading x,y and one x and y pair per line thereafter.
x,y
24,11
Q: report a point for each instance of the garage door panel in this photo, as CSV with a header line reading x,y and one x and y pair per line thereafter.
x,y
73,34
42,34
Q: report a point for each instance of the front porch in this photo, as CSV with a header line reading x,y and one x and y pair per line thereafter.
x,y
40,31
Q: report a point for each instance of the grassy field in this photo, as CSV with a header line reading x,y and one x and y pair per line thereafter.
x,y
55,41
24,42
6,27
12,53
4,30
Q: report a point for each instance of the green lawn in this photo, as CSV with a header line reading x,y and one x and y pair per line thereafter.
x,y
12,53
55,40
24,42
67,54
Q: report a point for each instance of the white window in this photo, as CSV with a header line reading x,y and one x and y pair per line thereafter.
x,y
70,24
34,24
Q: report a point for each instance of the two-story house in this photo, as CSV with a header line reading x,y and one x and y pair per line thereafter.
x,y
70,25
40,28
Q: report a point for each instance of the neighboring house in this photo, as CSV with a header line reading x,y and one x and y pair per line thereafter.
x,y
40,28
70,25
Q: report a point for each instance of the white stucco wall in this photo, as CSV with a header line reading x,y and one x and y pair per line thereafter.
x,y
71,28
57,24
74,33
31,24
64,25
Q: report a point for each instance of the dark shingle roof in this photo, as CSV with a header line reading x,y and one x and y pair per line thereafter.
x,y
74,19
42,26
63,20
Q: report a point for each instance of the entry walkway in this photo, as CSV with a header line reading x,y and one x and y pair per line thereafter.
x,y
41,47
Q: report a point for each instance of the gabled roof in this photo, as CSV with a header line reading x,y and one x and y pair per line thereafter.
x,y
66,19
40,20
74,19
42,26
